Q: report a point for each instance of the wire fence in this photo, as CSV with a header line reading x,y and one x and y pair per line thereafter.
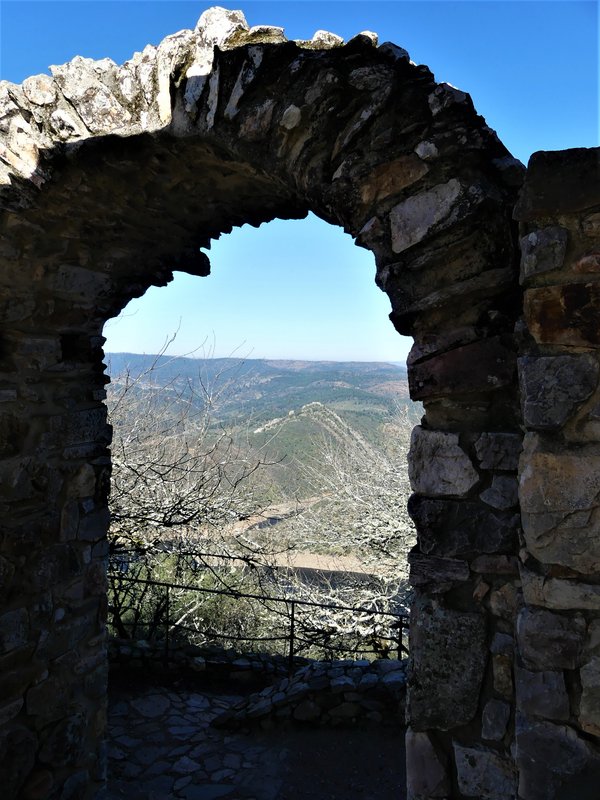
x,y
173,613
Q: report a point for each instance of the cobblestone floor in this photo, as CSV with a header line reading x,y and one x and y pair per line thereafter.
x,y
161,745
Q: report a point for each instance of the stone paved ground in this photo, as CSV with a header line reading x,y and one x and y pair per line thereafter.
x,y
161,745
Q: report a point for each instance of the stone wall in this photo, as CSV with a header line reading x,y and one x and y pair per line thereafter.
x,y
113,176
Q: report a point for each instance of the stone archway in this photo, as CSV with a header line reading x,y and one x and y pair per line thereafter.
x,y
112,177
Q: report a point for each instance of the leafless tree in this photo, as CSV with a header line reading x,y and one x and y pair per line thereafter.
x,y
182,484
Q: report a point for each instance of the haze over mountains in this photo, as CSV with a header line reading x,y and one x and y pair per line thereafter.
x,y
363,393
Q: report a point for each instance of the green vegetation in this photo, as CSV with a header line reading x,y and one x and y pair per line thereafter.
x,y
224,472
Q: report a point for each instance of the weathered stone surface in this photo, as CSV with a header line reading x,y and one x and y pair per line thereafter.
x,y
554,762
438,466
449,656
446,95
565,315
502,644
589,705
40,89
590,262
560,503
47,699
412,219
559,594
499,450
542,694
38,785
63,743
503,493
502,676
484,774
17,757
504,601
496,715
558,182
543,250
496,565
391,178
7,571
554,387
14,630
462,528
549,641
478,367
433,569
426,768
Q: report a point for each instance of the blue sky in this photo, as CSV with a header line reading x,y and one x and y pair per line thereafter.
x,y
302,289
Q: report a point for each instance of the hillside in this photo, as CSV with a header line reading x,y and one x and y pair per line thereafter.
x,y
279,408
258,390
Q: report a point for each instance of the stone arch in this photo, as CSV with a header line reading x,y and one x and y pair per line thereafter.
x,y
112,177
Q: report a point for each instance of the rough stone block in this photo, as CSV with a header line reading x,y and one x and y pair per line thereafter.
x,y
307,711
549,641
10,710
391,177
438,466
502,675
496,565
560,505
462,528
63,743
589,262
542,694
504,601
477,367
433,569
553,388
559,181
559,594
17,757
14,630
412,219
484,774
7,571
92,527
554,762
589,706
564,315
496,715
543,250
47,699
499,450
82,426
502,644
503,493
52,566
426,768
449,655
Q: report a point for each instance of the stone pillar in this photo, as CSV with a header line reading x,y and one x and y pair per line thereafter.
x,y
558,628
53,490
464,569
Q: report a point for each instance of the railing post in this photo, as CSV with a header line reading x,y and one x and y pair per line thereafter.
x,y
167,625
291,653
400,632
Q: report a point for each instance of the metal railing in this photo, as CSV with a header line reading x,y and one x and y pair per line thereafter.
x,y
303,631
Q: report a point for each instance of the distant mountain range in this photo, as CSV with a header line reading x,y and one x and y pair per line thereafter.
x,y
262,389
